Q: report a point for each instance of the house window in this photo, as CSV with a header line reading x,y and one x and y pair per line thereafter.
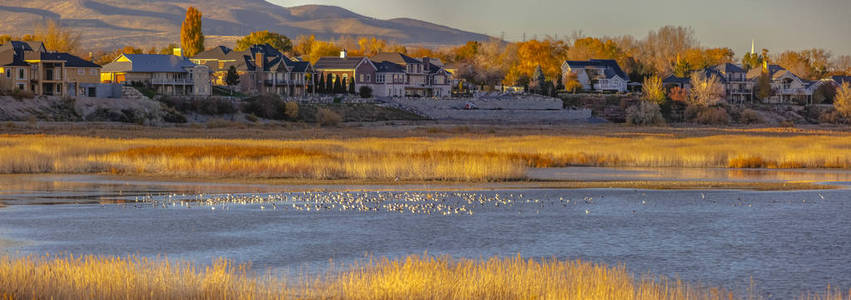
x,y
21,86
361,77
81,71
8,73
368,77
21,74
93,72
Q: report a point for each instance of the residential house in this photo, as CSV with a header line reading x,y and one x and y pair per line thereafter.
x,y
261,69
29,66
737,87
166,74
355,70
598,75
390,80
422,77
786,87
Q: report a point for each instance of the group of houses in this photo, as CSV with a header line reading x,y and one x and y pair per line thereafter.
x,y
262,69
741,85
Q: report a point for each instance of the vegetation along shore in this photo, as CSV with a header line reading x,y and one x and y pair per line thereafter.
x,y
468,159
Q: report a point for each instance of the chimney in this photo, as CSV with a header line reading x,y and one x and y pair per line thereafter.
x,y
343,54
177,52
259,60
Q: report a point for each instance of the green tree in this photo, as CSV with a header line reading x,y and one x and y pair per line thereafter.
x,y
682,68
538,83
653,90
191,37
276,40
232,78
320,83
352,86
338,85
763,88
842,101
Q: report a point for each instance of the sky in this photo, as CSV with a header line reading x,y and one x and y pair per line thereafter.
x,y
777,25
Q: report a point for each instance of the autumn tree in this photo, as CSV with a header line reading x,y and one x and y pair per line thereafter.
x,y
547,55
57,38
371,46
5,38
660,48
191,36
842,101
467,51
812,64
653,91
571,82
705,91
278,41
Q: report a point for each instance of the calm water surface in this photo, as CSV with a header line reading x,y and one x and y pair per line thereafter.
x,y
787,242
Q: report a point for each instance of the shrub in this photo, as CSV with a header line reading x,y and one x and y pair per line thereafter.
x,y
842,101
267,107
644,113
327,117
692,111
291,110
365,92
713,116
750,116
832,117
252,118
22,94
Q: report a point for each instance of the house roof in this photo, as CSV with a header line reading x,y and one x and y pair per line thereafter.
x,y
395,57
599,63
674,79
16,53
841,79
389,67
338,63
300,66
776,71
150,63
728,68
219,52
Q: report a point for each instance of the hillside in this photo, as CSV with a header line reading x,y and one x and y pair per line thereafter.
x,y
112,23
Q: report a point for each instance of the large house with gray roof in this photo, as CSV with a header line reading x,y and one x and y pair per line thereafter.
x,y
598,75
166,74
423,78
28,66
262,69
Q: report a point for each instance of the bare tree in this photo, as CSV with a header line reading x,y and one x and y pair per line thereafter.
x,y
705,91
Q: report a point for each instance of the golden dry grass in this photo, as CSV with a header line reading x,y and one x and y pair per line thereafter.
x,y
452,159
414,277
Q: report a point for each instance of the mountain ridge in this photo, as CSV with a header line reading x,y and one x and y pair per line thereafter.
x,y
106,24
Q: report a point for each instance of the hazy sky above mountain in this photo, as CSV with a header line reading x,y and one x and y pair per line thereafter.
x,y
775,24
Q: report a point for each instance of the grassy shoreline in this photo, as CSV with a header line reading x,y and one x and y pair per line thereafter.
x,y
413,277
450,159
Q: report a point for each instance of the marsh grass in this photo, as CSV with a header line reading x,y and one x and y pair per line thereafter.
x,y
414,277
447,159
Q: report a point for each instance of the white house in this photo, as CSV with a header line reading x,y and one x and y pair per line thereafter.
x,y
598,74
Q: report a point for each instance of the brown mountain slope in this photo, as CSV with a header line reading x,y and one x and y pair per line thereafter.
x,y
146,23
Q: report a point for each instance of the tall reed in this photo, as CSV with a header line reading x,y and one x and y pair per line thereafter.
x,y
414,277
454,159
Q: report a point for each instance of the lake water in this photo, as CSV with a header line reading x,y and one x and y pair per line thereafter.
x,y
787,242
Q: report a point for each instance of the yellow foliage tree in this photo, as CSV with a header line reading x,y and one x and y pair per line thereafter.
x,y
191,37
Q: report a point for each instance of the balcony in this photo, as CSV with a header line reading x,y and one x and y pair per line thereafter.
x,y
173,81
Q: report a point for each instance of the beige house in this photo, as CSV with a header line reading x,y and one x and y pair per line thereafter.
x,y
28,66
165,74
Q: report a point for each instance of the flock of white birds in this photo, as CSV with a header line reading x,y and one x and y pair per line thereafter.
x,y
427,203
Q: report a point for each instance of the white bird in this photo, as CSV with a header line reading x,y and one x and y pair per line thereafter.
x,y
587,212
821,196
